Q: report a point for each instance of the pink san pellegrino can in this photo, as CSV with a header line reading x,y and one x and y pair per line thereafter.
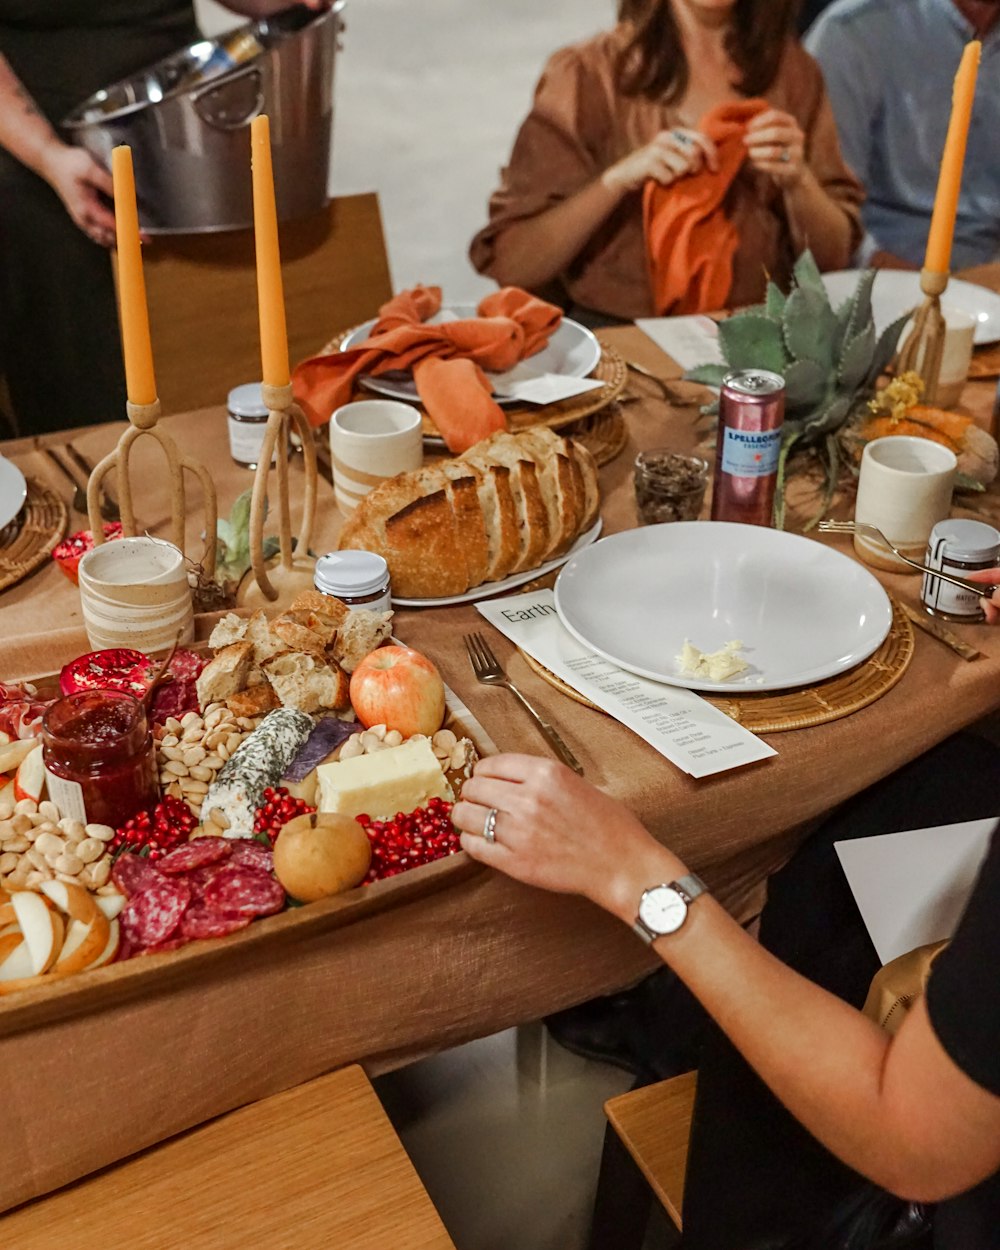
x,y
751,415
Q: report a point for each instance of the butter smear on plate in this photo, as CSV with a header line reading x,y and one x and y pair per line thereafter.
x,y
711,666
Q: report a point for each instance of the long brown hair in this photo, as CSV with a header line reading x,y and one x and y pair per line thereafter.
x,y
654,62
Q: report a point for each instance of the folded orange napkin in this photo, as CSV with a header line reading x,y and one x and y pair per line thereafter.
x,y
690,241
447,360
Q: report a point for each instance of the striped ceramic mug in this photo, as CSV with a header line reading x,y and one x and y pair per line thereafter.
x,y
371,440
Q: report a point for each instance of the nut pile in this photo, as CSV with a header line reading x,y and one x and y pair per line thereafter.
x,y
190,751
37,845
451,751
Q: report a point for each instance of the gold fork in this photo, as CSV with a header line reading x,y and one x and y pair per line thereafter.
x,y
872,531
487,669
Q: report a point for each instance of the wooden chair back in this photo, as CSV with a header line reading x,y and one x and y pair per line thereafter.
x,y
202,295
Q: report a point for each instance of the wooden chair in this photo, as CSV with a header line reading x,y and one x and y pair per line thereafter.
x,y
318,1167
645,1154
202,295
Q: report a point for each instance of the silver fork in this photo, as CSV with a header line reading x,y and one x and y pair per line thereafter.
x,y
487,669
109,509
671,395
853,527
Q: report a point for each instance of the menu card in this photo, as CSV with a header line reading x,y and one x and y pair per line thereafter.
x,y
689,341
690,732
529,386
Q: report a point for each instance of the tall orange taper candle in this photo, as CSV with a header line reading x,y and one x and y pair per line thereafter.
x,y
270,294
136,347
938,258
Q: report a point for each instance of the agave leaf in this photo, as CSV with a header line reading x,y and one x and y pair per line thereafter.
x,y
885,349
807,275
832,467
788,441
861,305
826,420
710,375
805,384
750,341
775,301
856,360
809,326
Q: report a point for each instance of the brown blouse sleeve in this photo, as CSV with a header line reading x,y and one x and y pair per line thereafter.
x,y
557,150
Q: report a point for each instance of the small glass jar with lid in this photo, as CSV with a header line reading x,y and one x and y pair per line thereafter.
x,y
247,424
358,578
960,547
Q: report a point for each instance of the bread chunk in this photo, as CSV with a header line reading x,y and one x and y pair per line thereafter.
x,y
306,682
230,629
225,674
254,701
361,633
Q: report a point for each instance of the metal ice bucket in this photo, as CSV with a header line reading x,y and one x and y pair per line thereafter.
x,y
187,119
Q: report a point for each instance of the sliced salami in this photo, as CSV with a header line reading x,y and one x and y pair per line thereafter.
x,y
195,854
207,922
154,913
247,891
249,853
132,873
198,878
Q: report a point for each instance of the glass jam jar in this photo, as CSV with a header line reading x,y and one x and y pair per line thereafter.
x,y
247,421
99,758
358,578
960,547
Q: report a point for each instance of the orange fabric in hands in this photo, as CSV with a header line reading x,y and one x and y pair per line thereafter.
x,y
690,242
459,399
511,325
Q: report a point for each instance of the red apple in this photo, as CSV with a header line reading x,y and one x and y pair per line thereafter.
x,y
398,688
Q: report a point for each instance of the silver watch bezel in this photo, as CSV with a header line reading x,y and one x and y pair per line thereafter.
x,y
685,890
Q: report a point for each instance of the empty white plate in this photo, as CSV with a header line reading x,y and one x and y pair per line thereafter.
x,y
897,291
804,612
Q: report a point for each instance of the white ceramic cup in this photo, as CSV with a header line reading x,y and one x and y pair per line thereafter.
x,y
135,593
904,488
956,357
371,440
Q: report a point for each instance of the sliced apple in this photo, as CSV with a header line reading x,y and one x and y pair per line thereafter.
x,y
4,738
85,943
7,913
13,753
7,790
29,780
111,950
42,927
15,956
110,904
74,900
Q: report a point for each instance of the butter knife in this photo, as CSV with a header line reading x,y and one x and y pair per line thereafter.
x,y
941,633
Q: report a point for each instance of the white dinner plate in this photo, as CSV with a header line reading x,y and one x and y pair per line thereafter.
x,y
13,491
803,612
487,589
572,352
897,291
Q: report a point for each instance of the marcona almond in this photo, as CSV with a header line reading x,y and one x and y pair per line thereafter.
x,y
49,810
6,811
201,772
8,862
168,741
104,832
100,872
25,807
19,844
89,849
21,822
49,844
70,863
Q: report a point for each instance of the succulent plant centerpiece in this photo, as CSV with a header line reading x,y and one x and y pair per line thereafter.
x,y
830,360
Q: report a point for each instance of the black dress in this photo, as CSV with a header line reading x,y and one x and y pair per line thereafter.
x,y
59,346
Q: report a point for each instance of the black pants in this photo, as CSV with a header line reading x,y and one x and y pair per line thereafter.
x,y
755,1176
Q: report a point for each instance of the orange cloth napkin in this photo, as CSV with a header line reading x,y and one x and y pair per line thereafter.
x,y
447,360
690,241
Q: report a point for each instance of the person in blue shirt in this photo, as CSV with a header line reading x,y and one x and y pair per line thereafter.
x,y
889,66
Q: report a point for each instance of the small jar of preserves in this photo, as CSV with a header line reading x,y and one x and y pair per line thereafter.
x,y
248,416
358,578
100,762
960,547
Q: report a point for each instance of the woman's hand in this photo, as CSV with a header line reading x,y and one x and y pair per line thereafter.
x,y
776,146
555,831
672,154
79,181
991,606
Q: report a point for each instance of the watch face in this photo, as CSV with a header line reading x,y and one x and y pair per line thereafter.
x,y
662,910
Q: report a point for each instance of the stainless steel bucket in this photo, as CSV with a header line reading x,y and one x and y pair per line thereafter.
x,y
187,119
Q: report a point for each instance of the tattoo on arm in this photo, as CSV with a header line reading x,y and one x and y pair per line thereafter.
x,y
29,105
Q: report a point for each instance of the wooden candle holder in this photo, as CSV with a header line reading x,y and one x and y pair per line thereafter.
x,y
923,350
143,419
293,569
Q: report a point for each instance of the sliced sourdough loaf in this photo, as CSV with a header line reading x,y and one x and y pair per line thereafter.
x,y
532,516
562,486
496,498
591,488
464,490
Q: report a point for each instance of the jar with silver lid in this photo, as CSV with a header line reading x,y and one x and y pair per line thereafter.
x,y
961,547
358,578
247,424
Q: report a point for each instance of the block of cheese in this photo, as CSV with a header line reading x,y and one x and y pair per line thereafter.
x,y
397,779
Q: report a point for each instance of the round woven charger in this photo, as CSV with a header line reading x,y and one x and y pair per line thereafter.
x,y
812,705
610,369
603,433
44,519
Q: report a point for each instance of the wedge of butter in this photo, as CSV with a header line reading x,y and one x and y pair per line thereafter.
x,y
712,665
397,779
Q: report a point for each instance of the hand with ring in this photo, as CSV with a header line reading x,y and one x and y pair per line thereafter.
x,y
540,823
776,146
673,154
990,606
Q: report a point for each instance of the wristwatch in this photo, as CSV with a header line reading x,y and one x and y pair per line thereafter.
x,y
663,908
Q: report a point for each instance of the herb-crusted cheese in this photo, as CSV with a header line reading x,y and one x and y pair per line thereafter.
x,y
258,762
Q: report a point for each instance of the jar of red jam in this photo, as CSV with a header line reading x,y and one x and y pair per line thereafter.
x,y
100,761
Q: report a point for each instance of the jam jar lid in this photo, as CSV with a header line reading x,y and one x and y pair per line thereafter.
x,y
970,541
351,573
246,401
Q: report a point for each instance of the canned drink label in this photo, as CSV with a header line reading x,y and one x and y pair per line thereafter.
x,y
750,453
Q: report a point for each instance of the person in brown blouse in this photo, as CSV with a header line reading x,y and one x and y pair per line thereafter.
x,y
627,106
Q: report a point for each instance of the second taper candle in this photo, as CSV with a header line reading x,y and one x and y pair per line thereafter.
x,y
134,315
942,229
270,292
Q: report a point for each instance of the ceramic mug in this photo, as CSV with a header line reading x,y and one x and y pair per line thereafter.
x,y
135,593
904,488
371,440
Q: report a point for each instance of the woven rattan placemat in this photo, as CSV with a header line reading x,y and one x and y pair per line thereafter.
x,y
44,519
811,705
603,433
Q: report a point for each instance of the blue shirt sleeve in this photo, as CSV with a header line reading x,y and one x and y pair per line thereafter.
x,y
853,83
